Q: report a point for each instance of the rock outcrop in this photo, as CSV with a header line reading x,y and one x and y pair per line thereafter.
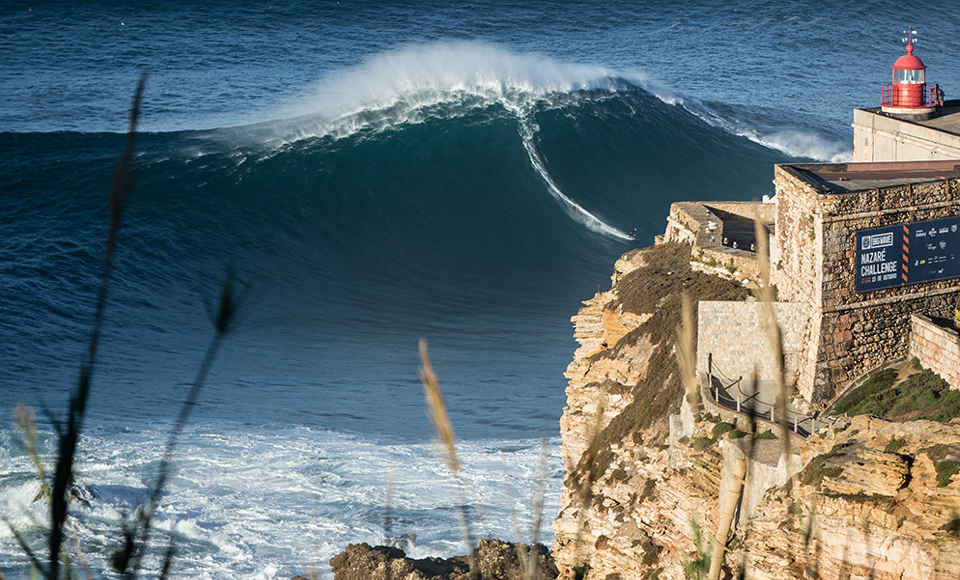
x,y
495,560
866,498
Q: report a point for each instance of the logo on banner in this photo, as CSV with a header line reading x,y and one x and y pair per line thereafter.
x,y
876,241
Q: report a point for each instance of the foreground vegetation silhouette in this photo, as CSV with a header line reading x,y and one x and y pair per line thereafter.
x,y
128,559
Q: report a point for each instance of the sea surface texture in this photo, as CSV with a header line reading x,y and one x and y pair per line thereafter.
x,y
372,173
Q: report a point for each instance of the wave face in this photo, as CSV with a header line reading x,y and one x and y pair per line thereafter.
x,y
476,218
475,224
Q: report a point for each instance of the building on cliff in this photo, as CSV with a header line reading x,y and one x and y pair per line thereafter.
x,y
868,250
866,257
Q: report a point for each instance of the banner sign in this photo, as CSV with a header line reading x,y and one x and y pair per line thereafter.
x,y
907,254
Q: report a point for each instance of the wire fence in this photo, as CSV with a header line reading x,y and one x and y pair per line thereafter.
x,y
729,392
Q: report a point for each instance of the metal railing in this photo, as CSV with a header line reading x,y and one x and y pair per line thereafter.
x,y
728,392
890,96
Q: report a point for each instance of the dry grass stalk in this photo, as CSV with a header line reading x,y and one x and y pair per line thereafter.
x,y
448,444
750,456
687,356
438,410
127,559
527,564
525,554
25,420
69,437
775,340
541,491
532,571
774,335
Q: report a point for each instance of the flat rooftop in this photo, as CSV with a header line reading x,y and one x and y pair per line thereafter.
x,y
948,121
724,225
836,178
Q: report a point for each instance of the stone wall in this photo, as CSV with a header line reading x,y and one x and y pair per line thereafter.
x,y
799,240
702,225
938,348
681,228
735,335
730,263
816,233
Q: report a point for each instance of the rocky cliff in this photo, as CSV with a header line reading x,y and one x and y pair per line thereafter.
x,y
866,498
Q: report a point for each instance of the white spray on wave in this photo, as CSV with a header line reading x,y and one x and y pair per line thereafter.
x,y
412,84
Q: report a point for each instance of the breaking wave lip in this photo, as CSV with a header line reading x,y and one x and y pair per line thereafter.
x,y
442,80
405,83
791,141
418,82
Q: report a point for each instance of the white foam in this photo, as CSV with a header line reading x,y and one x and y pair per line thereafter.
x,y
264,503
408,80
793,142
803,144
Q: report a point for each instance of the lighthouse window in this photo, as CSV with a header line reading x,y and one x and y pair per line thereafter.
x,y
910,76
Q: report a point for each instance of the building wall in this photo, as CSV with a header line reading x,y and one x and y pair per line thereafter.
x,y
736,336
678,230
851,333
937,348
880,138
799,240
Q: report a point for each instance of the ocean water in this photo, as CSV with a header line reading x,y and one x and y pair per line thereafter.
x,y
374,173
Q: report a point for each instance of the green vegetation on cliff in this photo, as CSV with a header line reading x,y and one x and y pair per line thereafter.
x,y
922,395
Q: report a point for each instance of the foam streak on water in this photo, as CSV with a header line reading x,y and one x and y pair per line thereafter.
x,y
574,210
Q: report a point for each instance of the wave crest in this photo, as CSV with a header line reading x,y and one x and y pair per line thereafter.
x,y
417,82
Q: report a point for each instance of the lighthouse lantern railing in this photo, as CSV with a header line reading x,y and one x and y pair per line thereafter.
x,y
908,92
892,95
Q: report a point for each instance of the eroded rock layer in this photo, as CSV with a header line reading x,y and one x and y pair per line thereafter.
x,y
868,498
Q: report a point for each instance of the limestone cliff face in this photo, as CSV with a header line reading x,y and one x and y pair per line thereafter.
x,y
599,325
864,498
877,499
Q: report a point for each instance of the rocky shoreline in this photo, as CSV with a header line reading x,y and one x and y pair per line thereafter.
x,y
645,470
493,560
861,499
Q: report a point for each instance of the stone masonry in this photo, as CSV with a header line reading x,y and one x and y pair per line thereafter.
x,y
735,335
720,235
851,333
937,347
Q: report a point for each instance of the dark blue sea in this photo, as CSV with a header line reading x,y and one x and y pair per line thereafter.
x,y
372,173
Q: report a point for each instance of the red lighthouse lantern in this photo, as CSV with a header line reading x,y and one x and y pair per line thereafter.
x,y
908,96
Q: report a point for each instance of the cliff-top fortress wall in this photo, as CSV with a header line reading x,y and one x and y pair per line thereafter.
x,y
822,212
857,300
866,260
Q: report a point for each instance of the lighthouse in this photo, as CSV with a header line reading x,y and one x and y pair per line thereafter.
x,y
908,96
